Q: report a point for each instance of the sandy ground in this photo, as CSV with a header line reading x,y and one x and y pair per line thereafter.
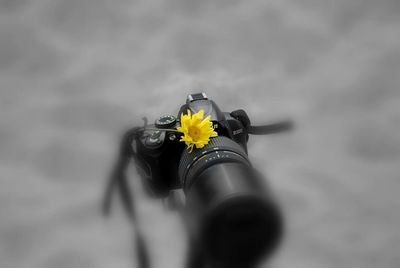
x,y
74,73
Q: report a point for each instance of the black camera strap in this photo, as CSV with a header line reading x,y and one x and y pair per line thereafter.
x,y
242,116
270,129
118,182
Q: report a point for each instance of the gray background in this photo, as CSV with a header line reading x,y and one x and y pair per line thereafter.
x,y
74,73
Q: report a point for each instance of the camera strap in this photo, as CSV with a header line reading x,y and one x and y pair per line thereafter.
x,y
270,129
242,116
118,182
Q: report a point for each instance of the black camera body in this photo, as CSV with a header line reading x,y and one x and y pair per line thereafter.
x,y
161,150
231,216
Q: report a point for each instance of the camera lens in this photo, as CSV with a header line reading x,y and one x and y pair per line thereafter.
x,y
231,212
219,150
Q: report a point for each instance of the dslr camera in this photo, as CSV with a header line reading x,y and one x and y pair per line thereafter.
x,y
230,214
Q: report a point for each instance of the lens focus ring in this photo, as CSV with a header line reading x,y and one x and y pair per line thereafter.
x,y
219,149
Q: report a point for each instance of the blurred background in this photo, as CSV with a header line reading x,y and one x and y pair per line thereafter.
x,y
74,74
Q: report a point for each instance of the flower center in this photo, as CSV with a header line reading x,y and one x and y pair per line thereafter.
x,y
194,132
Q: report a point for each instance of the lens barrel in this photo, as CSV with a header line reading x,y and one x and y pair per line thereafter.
x,y
229,209
219,150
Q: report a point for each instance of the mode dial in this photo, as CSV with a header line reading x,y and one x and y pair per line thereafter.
x,y
166,121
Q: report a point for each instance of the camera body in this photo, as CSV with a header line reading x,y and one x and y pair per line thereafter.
x,y
159,147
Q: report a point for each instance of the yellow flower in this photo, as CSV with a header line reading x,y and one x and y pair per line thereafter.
x,y
196,130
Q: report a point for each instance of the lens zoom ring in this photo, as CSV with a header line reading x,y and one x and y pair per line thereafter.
x,y
220,143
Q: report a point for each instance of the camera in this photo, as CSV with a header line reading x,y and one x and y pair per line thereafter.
x,y
231,216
